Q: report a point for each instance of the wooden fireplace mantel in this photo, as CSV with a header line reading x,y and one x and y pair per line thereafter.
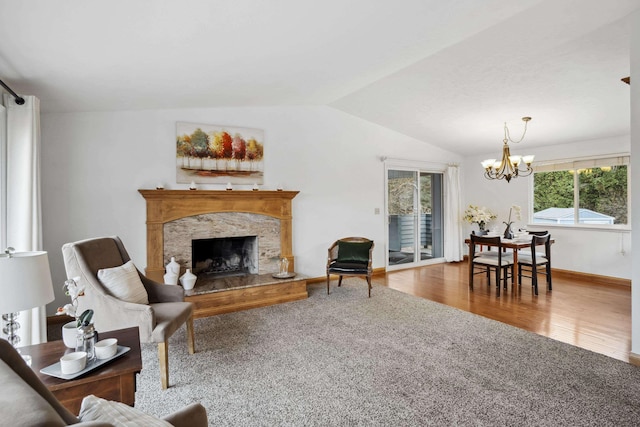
x,y
168,205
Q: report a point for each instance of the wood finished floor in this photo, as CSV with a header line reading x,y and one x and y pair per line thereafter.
x,y
591,316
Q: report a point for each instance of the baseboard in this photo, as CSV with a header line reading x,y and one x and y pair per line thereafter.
x,y
634,358
591,278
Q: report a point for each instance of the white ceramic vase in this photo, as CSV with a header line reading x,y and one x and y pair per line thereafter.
x,y
173,267
170,278
69,334
188,280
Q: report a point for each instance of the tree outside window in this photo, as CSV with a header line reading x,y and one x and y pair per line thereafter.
x,y
582,192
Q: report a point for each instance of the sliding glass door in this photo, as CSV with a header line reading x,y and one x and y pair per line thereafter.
x,y
414,217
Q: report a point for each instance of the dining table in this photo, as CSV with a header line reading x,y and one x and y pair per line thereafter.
x,y
517,243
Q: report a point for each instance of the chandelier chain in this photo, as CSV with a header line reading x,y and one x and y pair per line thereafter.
x,y
507,136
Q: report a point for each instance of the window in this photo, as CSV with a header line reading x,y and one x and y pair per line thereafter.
x,y
591,191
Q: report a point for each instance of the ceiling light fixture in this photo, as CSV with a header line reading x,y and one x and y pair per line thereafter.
x,y
510,166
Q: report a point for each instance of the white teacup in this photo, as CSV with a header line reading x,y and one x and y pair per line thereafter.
x,y
106,348
74,362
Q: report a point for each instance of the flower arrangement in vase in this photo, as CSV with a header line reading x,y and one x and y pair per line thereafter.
x,y
73,290
508,233
479,215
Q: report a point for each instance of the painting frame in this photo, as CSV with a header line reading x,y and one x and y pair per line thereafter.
x,y
215,154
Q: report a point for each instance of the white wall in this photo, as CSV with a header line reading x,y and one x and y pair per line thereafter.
x,y
94,163
593,251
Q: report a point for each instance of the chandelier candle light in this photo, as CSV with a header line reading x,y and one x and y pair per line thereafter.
x,y
510,166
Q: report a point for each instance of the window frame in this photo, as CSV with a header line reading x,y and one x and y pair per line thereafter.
x,y
619,159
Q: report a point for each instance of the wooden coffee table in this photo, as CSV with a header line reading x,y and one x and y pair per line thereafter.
x,y
115,380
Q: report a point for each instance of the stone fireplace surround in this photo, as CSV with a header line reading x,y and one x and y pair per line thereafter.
x,y
183,211
178,236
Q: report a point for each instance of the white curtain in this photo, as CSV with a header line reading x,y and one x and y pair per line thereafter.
x,y
20,199
452,208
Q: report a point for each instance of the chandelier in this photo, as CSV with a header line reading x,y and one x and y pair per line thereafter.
x,y
510,166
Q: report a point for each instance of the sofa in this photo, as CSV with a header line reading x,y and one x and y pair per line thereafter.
x,y
25,401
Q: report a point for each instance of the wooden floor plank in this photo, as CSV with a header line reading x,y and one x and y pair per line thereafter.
x,y
596,317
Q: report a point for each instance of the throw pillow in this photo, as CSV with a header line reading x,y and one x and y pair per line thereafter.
x,y
124,283
354,251
117,413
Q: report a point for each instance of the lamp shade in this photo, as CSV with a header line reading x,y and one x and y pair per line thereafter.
x,y
25,281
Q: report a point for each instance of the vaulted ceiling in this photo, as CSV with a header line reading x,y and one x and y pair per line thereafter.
x,y
447,72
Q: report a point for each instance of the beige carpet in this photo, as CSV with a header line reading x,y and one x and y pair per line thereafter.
x,y
391,360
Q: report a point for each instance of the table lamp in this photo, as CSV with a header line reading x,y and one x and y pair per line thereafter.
x,y
25,283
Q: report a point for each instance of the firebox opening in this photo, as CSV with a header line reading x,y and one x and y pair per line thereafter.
x,y
227,256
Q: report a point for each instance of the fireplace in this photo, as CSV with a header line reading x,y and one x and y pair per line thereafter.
x,y
225,256
176,217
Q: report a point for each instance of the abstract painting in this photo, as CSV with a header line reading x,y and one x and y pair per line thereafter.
x,y
212,154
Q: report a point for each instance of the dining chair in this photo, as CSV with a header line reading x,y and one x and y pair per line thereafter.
x,y
527,251
501,262
485,250
529,264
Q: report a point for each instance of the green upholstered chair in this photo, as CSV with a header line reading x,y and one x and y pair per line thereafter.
x,y
350,256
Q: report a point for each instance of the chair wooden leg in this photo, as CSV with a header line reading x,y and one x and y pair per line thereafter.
x,y
498,281
534,279
328,283
549,276
339,281
191,344
369,282
163,358
513,271
471,275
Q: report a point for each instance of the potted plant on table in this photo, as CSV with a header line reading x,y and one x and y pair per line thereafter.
x,y
479,215
508,233
74,290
